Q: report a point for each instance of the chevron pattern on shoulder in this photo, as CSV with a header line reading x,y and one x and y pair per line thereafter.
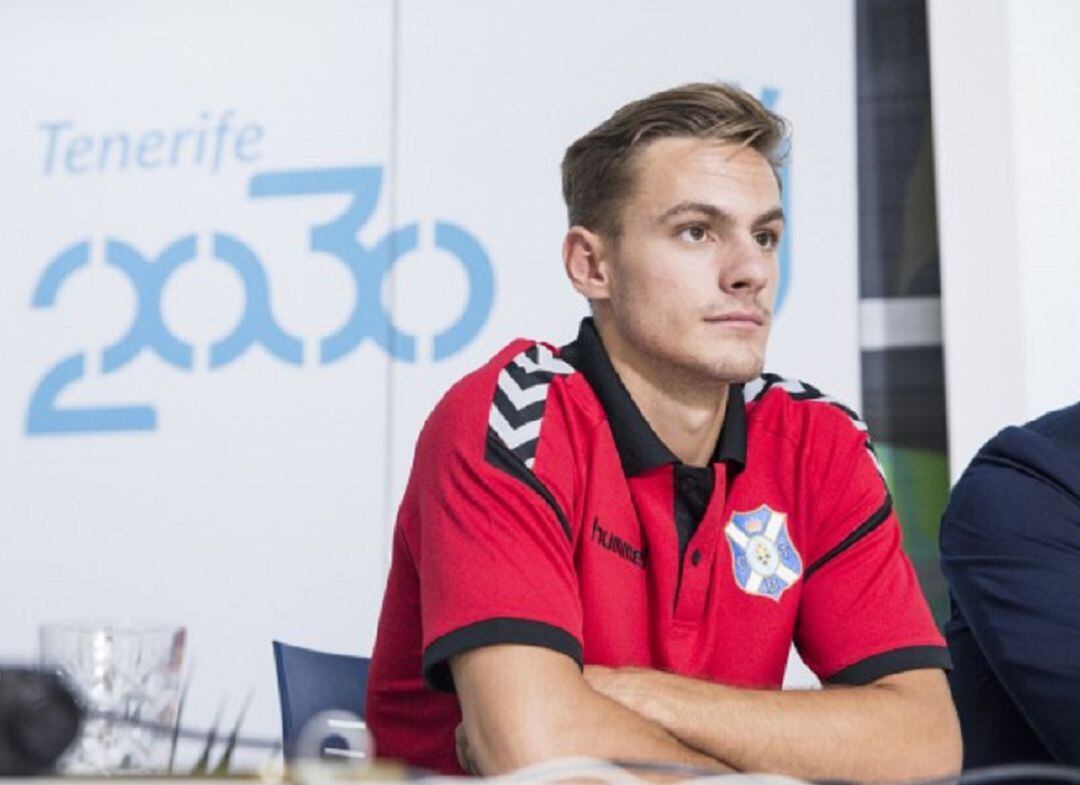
x,y
803,391
756,389
517,408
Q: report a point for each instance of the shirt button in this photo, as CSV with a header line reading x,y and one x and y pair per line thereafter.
x,y
695,558
686,483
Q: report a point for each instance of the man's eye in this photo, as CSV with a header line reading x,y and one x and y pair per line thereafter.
x,y
694,233
767,239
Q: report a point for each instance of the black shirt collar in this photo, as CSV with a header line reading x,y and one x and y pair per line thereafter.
x,y
640,449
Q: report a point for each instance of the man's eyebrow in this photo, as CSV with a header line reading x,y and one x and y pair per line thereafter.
x,y
704,208
715,213
775,214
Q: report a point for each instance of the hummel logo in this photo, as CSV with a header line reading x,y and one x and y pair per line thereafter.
x,y
616,544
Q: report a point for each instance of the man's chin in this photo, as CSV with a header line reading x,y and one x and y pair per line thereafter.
x,y
737,366
737,373
742,378
736,362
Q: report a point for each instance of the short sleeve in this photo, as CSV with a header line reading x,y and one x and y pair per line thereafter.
x,y
862,614
491,546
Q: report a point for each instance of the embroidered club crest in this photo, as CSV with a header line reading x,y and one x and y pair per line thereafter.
x,y
765,560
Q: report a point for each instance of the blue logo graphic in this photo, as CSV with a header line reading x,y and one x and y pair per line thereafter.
x,y
368,268
770,96
762,554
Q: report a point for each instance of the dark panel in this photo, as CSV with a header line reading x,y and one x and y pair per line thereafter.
x,y
898,250
904,397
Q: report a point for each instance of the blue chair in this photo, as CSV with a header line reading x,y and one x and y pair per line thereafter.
x,y
311,683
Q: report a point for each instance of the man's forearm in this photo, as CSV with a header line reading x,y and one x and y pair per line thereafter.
x,y
526,704
588,725
884,731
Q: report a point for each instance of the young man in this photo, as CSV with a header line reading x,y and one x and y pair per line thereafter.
x,y
607,549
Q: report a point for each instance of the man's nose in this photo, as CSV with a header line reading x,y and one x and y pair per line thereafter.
x,y
747,267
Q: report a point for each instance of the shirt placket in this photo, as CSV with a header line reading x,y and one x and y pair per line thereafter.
x,y
697,565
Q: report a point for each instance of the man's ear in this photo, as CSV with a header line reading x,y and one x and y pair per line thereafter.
x,y
587,263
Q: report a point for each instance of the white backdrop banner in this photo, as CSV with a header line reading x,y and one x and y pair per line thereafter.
x,y
247,247
1006,84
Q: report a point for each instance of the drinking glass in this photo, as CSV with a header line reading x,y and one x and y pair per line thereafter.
x,y
128,675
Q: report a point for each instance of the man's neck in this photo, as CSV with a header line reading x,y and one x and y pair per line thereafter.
x,y
686,414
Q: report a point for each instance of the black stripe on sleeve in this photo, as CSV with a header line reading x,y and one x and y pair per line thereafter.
x,y
489,632
896,661
526,379
527,450
879,517
502,457
771,379
513,415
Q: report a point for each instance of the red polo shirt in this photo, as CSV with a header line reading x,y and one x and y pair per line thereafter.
x,y
543,510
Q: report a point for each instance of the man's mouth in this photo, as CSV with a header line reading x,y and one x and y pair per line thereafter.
x,y
740,319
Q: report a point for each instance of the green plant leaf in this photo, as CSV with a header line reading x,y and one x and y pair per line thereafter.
x,y
226,757
174,742
203,764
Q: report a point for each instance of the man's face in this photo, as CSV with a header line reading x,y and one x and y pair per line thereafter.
x,y
693,275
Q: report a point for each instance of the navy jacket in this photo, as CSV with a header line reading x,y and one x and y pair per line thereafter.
x,y
1010,550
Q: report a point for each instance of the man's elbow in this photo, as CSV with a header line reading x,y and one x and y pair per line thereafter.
x,y
517,705
938,750
953,744
503,748
942,753
933,747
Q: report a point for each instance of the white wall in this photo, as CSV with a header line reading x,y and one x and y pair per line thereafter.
x,y
1006,101
254,508
259,504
